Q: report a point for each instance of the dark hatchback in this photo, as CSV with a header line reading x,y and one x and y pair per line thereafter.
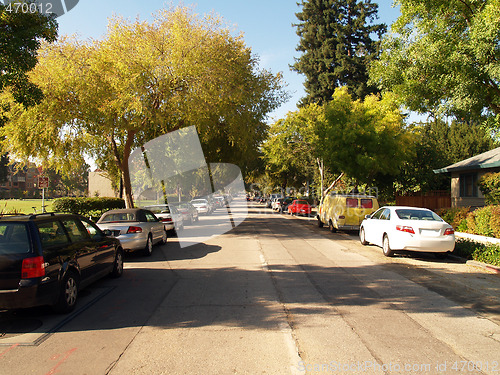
x,y
46,259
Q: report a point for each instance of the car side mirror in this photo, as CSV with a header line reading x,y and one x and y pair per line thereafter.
x,y
107,232
368,216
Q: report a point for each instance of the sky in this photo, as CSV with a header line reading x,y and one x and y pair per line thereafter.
x,y
267,27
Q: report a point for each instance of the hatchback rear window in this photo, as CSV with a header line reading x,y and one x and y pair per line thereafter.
x,y
14,238
366,203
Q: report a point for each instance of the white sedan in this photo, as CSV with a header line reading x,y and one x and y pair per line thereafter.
x,y
407,228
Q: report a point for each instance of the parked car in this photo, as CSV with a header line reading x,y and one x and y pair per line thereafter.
x,y
188,211
168,215
345,212
136,228
284,205
46,259
407,228
202,205
299,207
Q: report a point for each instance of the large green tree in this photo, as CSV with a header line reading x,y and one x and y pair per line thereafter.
x,y
104,98
437,145
20,36
443,56
289,151
365,139
338,39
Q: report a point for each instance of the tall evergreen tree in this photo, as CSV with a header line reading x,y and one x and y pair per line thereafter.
x,y
338,39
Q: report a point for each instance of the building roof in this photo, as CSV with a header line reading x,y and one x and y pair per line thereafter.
x,y
488,159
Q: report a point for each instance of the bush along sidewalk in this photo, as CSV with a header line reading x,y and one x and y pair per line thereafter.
x,y
480,252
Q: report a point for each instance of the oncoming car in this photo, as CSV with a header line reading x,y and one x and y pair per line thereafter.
x,y
407,228
136,228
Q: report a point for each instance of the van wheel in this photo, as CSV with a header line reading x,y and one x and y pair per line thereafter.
x,y
331,227
68,293
320,223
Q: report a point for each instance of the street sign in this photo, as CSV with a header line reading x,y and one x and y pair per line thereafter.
x,y
43,182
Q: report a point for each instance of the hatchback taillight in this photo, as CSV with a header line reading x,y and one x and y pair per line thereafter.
x,y
449,231
404,228
33,267
133,229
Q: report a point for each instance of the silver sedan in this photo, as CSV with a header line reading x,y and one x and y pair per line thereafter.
x,y
136,228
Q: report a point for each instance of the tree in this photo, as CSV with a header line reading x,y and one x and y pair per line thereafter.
x,y
443,57
289,151
338,39
437,145
20,36
105,98
365,139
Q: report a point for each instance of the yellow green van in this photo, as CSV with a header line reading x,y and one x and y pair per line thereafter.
x,y
345,212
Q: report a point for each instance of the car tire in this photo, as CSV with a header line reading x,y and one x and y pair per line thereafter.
x,y
386,247
118,265
164,238
320,223
148,250
331,227
68,294
362,237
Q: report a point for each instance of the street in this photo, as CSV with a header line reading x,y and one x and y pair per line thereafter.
x,y
275,295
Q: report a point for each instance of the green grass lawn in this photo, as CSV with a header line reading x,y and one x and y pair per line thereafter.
x,y
24,206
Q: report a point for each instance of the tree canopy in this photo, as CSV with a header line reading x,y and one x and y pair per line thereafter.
x,y
20,36
444,57
338,39
106,97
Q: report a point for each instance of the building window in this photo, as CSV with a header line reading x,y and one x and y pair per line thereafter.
x,y
468,185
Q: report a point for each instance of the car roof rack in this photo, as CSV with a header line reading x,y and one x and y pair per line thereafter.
x,y
34,216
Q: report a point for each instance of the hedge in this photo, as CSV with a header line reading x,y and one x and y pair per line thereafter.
x,y
484,221
90,207
490,187
487,253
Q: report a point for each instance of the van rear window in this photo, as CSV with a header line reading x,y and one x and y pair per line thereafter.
x,y
366,203
14,238
352,202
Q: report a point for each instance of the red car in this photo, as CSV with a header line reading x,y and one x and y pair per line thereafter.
x,y
299,207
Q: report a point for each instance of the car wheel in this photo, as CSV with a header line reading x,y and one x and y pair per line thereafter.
x,y
68,293
331,227
118,265
164,237
320,223
148,250
386,247
362,238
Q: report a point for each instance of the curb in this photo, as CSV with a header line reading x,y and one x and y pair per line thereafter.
x,y
485,266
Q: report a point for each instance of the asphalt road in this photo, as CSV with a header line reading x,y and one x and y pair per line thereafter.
x,y
275,295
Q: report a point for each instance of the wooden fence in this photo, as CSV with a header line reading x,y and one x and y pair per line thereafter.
x,y
433,200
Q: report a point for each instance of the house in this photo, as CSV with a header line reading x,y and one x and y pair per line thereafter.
x,y
465,175
100,185
21,182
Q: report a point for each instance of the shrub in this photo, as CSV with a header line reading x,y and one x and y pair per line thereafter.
x,y
490,187
482,218
455,216
90,207
486,253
